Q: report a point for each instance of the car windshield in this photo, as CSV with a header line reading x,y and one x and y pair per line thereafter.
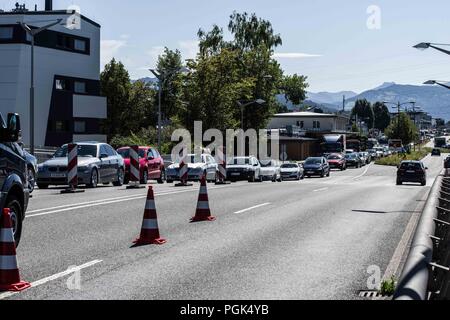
x,y
313,161
334,157
289,166
266,164
351,156
125,153
89,151
239,161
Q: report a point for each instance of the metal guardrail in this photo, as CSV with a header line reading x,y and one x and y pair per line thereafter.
x,y
426,274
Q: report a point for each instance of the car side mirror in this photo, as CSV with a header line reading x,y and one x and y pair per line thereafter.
x,y
255,165
103,156
12,131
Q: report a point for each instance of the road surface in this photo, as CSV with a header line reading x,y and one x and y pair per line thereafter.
x,y
313,239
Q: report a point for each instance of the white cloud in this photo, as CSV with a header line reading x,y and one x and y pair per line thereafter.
x,y
109,49
295,55
155,52
189,49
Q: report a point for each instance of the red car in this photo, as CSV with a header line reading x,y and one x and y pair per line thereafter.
x,y
337,161
151,164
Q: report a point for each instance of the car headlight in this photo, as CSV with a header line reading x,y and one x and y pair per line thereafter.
x,y
83,169
41,168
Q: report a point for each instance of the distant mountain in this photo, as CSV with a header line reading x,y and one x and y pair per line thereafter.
x,y
432,99
330,97
326,107
384,86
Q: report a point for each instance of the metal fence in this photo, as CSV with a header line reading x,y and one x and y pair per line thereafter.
x,y
426,275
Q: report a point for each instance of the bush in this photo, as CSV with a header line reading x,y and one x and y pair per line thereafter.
x,y
396,159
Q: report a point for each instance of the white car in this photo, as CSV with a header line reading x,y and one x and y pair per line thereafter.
x,y
198,166
270,170
380,152
292,171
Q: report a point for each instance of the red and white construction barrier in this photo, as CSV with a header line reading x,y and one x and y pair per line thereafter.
x,y
72,169
135,173
222,164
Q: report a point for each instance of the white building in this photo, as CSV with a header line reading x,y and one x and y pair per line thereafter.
x,y
310,122
68,105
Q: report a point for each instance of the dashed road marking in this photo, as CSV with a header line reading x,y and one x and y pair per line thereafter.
x,y
323,189
253,208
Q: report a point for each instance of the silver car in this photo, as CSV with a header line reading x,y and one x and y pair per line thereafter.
x,y
97,163
198,166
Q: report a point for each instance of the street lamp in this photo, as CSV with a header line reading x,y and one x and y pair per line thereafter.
x,y
32,32
426,45
244,105
162,78
439,83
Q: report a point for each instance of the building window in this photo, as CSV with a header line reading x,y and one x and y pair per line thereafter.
x,y
61,84
79,126
301,124
80,87
80,45
316,124
6,33
59,126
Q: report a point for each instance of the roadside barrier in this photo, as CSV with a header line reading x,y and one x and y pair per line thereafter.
x,y
222,163
72,169
150,228
9,270
135,173
203,212
183,173
426,275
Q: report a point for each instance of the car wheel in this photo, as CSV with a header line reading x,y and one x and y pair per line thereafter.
x,y
162,177
31,179
144,178
274,178
252,178
120,178
94,179
42,186
322,174
424,183
328,173
16,217
399,182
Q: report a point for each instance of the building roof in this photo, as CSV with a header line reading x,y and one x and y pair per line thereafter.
x,y
54,12
307,114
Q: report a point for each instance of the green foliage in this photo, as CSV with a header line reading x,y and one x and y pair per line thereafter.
x,y
388,287
402,128
363,109
382,116
116,86
294,88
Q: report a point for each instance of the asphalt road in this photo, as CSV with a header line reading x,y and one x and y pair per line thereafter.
x,y
313,239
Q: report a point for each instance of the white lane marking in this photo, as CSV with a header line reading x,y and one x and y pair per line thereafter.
x,y
253,208
104,202
54,277
364,173
319,190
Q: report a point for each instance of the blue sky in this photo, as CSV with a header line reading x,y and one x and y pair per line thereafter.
x,y
326,40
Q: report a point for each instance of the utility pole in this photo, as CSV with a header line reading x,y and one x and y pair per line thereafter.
x,y
343,105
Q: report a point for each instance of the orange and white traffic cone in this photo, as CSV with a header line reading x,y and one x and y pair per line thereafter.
x,y
203,213
9,271
150,229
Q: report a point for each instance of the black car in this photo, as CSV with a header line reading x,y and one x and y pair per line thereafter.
x,y
317,166
412,171
353,160
436,152
13,173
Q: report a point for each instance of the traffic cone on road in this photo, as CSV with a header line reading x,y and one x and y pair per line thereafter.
x,y
150,229
9,271
203,213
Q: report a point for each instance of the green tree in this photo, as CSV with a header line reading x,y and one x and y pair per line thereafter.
x,y
169,67
382,116
402,128
363,109
116,87
294,88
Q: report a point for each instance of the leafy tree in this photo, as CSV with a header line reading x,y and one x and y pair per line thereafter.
x,y
363,109
169,67
382,116
402,128
141,111
294,87
116,87
440,122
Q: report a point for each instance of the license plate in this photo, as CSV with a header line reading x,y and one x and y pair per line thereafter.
x,y
235,174
58,175
410,171
310,172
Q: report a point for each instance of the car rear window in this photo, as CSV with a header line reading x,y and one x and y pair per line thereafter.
x,y
411,166
125,153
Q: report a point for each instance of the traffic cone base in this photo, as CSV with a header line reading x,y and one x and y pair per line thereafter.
x,y
9,271
143,242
